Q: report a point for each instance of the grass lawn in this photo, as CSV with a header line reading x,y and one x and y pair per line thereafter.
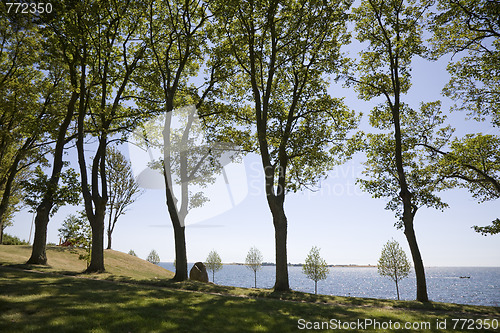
x,y
64,260
42,300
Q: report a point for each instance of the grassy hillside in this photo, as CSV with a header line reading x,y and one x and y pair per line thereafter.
x,y
51,302
65,260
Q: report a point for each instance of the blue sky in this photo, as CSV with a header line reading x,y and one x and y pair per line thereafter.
x,y
347,224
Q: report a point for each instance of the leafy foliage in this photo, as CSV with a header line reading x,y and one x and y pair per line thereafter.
x,y
389,27
474,159
471,27
492,229
29,85
66,193
109,51
315,267
418,130
187,159
13,240
282,56
76,231
16,200
393,263
394,33
132,253
123,189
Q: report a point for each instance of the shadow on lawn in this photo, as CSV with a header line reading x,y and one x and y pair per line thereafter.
x,y
50,302
33,302
294,296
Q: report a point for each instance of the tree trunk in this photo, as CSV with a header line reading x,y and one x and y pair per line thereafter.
x,y
7,189
38,254
315,287
1,233
180,253
397,289
109,240
255,279
181,271
280,229
97,255
417,262
409,209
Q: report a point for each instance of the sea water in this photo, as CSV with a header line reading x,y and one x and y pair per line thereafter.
x,y
444,284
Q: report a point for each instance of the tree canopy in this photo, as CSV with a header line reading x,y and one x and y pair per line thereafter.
x,y
393,31
281,56
199,78
470,30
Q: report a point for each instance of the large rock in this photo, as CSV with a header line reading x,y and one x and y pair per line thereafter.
x,y
199,272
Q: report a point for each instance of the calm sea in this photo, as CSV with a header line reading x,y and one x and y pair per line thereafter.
x,y
443,283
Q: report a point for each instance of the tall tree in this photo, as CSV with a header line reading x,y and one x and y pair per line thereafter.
x,y
111,53
176,38
123,189
283,52
28,89
188,164
64,39
393,31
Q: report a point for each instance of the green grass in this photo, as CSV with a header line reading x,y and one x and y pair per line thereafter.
x,y
43,300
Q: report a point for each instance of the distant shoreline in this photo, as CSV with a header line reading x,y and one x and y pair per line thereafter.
x,y
341,266
300,265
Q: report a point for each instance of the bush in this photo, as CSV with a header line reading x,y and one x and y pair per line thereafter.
x,y
13,240
153,257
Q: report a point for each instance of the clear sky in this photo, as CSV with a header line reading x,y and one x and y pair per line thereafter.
x,y
347,224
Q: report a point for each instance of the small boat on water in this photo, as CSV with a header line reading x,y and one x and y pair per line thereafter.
x,y
465,277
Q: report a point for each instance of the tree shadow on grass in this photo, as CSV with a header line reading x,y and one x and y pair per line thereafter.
x,y
51,303
33,302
